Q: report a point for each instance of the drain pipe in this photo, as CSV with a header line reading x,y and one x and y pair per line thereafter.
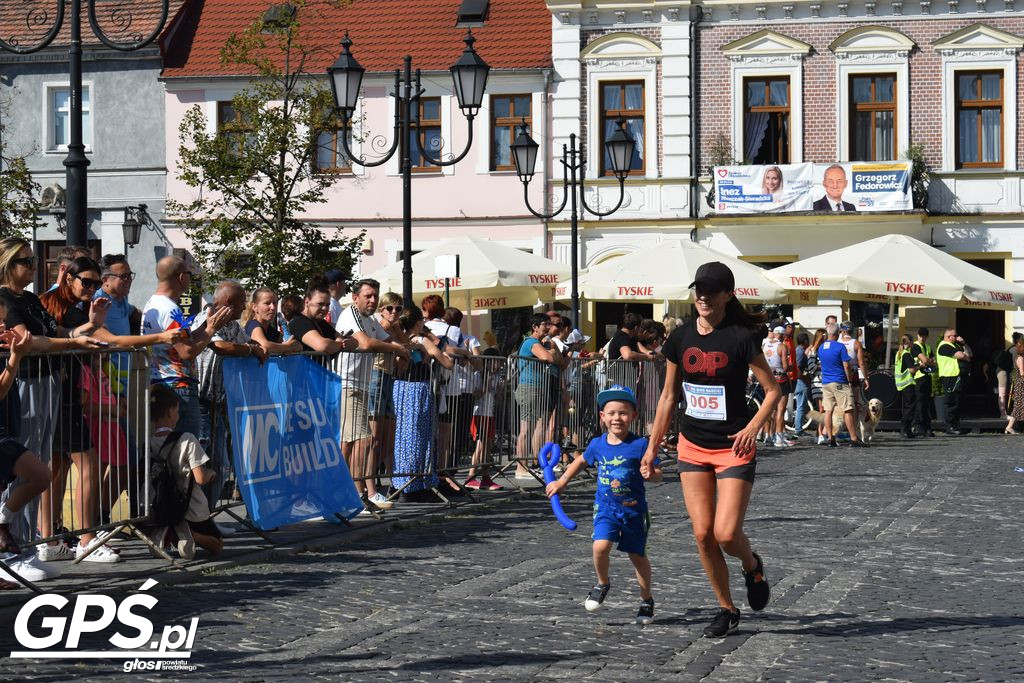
x,y
549,77
696,14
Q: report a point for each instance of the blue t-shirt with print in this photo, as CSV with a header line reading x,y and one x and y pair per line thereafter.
x,y
831,355
618,470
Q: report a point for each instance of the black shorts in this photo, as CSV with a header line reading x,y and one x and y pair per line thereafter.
x,y
10,451
71,434
207,527
745,471
554,393
786,386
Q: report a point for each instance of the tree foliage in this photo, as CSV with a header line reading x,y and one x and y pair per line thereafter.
x,y
254,178
19,194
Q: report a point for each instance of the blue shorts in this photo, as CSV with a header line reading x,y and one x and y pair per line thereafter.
x,y
625,526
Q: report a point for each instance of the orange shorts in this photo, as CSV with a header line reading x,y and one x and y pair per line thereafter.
x,y
722,461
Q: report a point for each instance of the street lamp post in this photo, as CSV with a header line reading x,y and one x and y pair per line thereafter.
x,y
619,147
469,76
76,163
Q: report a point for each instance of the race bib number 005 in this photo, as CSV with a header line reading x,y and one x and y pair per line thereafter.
x,y
705,402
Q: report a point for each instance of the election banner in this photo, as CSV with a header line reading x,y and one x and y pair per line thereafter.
x,y
285,419
848,188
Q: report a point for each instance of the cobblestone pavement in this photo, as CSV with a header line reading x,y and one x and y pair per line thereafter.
x,y
901,563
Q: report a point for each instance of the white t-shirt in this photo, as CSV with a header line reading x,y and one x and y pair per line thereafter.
x,y
488,388
355,366
166,365
185,455
334,312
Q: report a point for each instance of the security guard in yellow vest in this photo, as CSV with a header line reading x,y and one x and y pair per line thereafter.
x,y
905,367
924,357
953,357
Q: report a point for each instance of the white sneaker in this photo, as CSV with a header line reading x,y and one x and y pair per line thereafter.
x,y
780,442
822,439
110,537
365,513
186,544
52,553
102,554
381,501
30,568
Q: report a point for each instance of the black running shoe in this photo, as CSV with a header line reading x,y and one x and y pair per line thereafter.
x,y
724,623
858,444
596,597
758,590
645,614
832,443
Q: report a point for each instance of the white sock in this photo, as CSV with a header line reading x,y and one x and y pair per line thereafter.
x,y
6,516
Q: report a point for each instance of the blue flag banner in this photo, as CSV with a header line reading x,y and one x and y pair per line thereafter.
x,y
285,419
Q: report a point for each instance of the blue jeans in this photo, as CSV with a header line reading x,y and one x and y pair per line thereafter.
x,y
800,395
214,439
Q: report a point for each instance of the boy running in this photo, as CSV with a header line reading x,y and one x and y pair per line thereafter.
x,y
620,505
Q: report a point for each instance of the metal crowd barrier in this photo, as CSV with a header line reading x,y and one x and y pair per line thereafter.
x,y
85,414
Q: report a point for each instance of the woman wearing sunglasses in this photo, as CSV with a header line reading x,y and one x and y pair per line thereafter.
x,y
708,359
382,386
68,304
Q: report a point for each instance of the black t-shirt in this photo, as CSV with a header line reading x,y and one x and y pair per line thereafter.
x,y
71,392
719,359
300,325
917,349
272,334
618,341
26,309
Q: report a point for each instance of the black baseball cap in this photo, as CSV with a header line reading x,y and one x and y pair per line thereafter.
x,y
714,276
334,276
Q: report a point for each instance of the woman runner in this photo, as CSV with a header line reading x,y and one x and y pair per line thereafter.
x,y
709,358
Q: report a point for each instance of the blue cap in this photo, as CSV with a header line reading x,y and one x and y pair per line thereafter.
x,y
616,393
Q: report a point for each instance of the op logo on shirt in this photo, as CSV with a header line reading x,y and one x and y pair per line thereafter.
x,y
697,361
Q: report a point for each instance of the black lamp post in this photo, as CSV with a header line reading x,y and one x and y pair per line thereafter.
x,y
619,147
469,76
76,162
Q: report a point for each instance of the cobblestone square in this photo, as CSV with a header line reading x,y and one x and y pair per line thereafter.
x,y
895,563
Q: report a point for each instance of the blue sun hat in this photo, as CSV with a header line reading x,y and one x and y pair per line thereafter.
x,y
616,392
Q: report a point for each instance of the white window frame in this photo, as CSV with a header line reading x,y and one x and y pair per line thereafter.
x,y
766,54
741,72
48,117
616,57
960,62
872,50
902,72
979,48
599,74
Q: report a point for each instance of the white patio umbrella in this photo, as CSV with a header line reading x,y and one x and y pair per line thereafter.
x,y
491,275
664,272
898,269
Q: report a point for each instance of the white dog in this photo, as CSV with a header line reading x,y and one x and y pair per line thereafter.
x,y
869,418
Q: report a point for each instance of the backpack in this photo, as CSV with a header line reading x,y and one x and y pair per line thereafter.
x,y
169,503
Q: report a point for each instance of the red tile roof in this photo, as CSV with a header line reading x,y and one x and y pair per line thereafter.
x,y
517,34
24,24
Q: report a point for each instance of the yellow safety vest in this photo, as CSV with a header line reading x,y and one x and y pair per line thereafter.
x,y
948,365
904,378
927,352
